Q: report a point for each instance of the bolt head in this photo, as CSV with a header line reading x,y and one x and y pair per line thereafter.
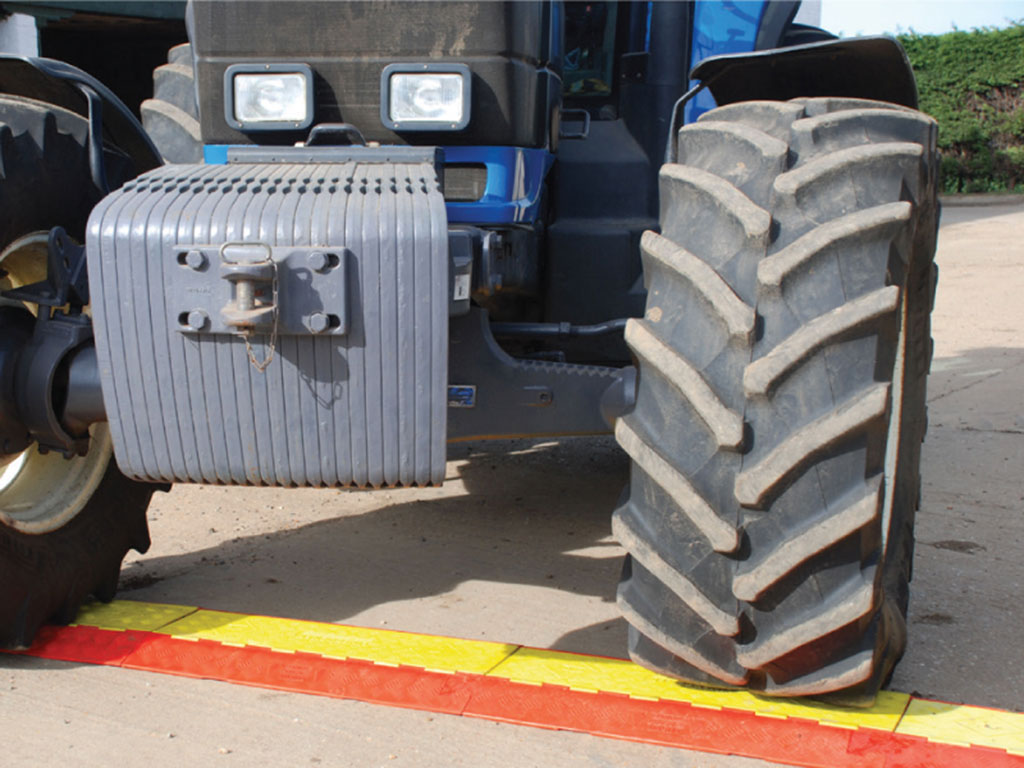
x,y
319,322
195,259
197,319
318,261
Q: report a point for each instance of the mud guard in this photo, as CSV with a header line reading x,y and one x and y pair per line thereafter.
x,y
860,67
63,85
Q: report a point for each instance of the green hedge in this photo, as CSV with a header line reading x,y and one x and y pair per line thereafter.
x,y
971,82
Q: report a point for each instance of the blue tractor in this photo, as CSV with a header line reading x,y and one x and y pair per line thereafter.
x,y
354,232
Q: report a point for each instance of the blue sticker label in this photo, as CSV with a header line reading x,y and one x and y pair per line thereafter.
x,y
461,395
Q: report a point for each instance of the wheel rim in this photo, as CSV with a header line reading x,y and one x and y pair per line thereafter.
x,y
39,492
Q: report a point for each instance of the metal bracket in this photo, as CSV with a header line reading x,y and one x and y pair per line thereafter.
x,y
67,281
675,121
489,279
239,288
584,117
97,166
252,271
327,134
492,394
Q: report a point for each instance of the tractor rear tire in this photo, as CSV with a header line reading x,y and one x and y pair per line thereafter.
x,y
782,361
65,524
171,117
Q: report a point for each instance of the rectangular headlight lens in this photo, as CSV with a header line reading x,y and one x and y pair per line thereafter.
x,y
274,97
428,97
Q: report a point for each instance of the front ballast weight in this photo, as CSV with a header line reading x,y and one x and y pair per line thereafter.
x,y
290,325
225,271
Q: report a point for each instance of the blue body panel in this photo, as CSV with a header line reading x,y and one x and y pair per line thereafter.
x,y
515,178
215,154
719,28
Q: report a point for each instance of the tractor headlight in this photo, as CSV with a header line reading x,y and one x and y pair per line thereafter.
x,y
268,96
425,97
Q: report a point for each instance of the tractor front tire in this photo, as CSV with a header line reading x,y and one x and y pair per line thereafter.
x,y
65,524
171,117
780,410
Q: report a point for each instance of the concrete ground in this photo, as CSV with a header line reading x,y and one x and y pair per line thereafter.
x,y
516,546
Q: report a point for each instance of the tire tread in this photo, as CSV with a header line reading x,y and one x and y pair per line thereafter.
x,y
807,275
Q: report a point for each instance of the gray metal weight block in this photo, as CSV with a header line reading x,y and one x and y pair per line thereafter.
x,y
351,302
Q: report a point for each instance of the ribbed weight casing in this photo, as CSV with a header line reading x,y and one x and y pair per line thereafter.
x,y
366,407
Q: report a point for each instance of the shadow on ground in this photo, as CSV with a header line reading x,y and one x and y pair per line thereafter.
x,y
521,537
968,574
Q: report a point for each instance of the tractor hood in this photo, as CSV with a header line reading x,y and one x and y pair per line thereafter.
x,y
347,46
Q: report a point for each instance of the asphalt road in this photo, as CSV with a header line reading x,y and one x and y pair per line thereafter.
x,y
516,546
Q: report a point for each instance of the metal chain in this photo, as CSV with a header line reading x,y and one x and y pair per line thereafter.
x,y
262,366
